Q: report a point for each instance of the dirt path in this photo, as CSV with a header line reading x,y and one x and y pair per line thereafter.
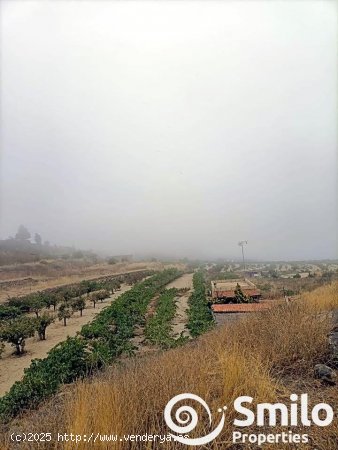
x,y
12,367
181,317
185,281
139,339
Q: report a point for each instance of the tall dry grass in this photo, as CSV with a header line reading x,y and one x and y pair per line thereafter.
x,y
263,356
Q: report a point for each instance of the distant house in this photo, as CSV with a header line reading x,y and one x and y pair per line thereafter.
x,y
223,291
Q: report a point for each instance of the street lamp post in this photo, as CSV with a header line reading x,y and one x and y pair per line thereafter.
x,y
241,244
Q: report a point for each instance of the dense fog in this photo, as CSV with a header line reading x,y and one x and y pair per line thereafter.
x,y
171,128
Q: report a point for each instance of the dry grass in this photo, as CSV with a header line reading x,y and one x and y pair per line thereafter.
x,y
266,356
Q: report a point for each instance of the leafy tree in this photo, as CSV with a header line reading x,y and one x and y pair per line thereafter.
x,y
53,300
89,286
48,299
78,304
112,261
103,294
71,292
112,285
94,298
42,323
22,303
22,234
65,312
9,312
16,332
36,303
37,239
240,297
116,285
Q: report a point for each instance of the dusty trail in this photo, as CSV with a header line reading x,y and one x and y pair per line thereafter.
x,y
181,317
139,339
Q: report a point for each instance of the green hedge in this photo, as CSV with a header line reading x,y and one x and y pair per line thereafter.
x,y
98,343
199,313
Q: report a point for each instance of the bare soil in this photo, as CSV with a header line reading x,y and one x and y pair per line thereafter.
x,y
181,318
139,339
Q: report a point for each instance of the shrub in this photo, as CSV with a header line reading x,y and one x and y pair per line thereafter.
x,y
65,362
36,303
158,328
65,312
239,295
16,331
103,294
93,298
199,314
42,323
78,304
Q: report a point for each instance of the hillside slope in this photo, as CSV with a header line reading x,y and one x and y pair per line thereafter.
x,y
267,356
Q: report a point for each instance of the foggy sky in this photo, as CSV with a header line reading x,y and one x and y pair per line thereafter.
x,y
173,128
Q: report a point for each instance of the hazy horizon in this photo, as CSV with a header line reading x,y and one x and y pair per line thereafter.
x,y
171,128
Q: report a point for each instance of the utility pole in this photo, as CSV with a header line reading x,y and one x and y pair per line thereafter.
x,y
241,244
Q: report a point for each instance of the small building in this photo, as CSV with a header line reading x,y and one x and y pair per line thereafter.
x,y
223,291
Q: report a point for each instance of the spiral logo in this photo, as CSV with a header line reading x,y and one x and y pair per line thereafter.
x,y
187,418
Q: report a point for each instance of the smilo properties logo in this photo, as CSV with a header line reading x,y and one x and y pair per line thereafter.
x,y
187,417
295,414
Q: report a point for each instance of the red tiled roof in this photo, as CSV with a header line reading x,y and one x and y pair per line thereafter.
x,y
240,307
